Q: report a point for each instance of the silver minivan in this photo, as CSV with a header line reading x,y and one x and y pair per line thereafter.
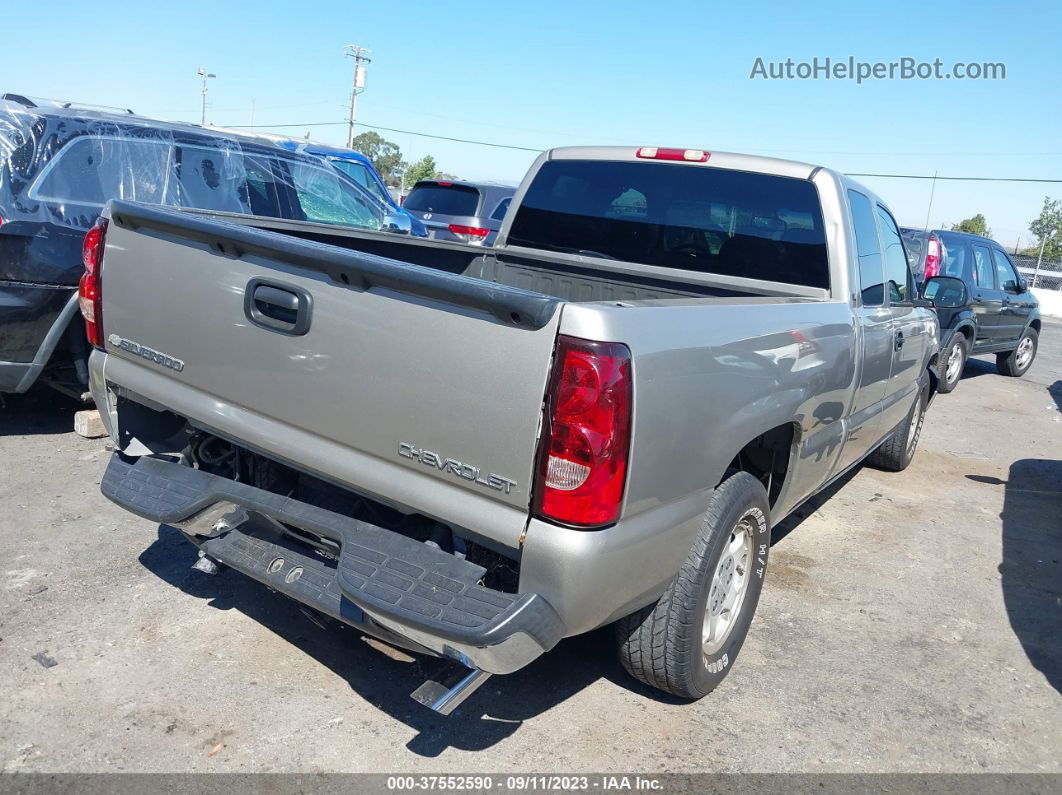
x,y
465,212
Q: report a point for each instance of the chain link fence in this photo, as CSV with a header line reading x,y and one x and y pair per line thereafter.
x,y
1050,276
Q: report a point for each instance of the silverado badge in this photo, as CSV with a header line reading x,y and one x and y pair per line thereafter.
x,y
145,352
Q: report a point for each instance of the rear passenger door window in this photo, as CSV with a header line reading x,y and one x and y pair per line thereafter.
x,y
987,298
897,274
868,250
211,178
984,270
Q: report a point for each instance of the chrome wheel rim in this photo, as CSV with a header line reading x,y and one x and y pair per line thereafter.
x,y
726,594
954,363
1025,352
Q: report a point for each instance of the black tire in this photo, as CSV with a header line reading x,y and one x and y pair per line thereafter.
x,y
897,451
1007,363
956,347
662,644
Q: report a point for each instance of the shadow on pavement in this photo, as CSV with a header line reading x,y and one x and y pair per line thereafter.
x,y
978,367
385,677
1032,559
1055,391
40,411
797,517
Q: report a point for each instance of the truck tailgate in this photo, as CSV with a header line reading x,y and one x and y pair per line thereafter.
x,y
420,387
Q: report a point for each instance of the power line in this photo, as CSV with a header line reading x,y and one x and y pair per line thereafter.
x,y
458,140
532,149
960,178
307,124
395,130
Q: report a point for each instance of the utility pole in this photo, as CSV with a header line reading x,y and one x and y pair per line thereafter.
x,y
251,122
203,74
361,58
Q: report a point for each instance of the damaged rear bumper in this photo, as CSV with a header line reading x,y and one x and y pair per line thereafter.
x,y
381,582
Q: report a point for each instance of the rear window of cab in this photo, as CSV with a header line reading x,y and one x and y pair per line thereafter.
x,y
692,218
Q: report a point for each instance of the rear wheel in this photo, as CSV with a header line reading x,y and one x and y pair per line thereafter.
x,y
687,642
897,451
952,360
1017,362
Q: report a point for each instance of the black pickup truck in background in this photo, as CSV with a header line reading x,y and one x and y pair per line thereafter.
x,y
60,163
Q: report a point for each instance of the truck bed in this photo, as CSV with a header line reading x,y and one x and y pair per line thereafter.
x,y
556,277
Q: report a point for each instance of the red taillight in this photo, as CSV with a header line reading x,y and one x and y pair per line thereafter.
x,y
469,231
587,433
933,256
668,153
90,290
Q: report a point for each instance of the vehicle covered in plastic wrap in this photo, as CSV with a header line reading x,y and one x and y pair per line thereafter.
x,y
60,163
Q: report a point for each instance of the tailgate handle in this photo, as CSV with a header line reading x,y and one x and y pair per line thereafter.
x,y
282,308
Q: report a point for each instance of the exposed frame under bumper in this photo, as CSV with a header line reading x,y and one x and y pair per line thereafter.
x,y
410,590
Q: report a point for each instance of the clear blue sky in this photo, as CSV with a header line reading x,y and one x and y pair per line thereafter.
x,y
554,73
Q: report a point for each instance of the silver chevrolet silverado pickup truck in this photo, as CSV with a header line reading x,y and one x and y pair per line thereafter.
x,y
476,453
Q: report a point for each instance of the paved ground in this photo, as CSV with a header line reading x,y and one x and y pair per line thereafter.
x,y
910,622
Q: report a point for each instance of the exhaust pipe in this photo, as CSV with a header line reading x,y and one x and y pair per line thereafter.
x,y
446,696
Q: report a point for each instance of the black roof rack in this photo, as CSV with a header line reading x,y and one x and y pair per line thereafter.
x,y
21,100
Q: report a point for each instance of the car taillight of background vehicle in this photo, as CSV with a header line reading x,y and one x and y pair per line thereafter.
x,y
469,233
586,435
934,256
90,289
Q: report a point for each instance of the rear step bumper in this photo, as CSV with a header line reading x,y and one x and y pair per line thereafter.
x,y
422,595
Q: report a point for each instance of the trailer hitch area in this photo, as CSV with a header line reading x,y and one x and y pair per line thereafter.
x,y
449,690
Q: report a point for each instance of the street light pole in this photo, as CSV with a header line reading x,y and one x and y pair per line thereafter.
x,y
202,94
360,56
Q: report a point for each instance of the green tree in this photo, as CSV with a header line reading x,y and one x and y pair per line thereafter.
x,y
1047,229
975,226
386,157
422,169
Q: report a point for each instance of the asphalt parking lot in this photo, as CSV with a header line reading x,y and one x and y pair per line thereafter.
x,y
910,622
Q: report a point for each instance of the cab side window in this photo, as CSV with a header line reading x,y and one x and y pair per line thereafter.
x,y
868,250
1005,273
897,273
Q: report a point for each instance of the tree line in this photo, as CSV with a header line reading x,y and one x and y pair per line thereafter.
x,y
387,159
1046,229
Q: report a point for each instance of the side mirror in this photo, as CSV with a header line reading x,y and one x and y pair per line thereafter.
x,y
945,292
397,223
1023,285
